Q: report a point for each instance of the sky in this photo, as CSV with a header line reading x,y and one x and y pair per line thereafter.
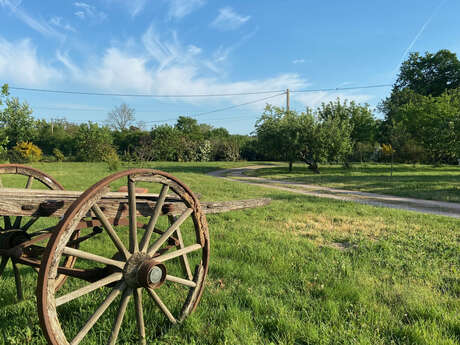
x,y
110,52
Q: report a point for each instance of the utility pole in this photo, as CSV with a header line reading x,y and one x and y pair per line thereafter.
x,y
52,127
287,100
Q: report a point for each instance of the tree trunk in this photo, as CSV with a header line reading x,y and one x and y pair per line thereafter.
x,y
290,166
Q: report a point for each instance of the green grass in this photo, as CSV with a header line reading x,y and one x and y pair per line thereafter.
x,y
416,181
302,270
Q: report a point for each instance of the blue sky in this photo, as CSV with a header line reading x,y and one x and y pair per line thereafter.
x,y
182,47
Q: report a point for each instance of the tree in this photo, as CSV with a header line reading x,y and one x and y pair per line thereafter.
x,y
431,74
94,143
312,136
278,133
352,123
428,75
121,118
16,121
434,122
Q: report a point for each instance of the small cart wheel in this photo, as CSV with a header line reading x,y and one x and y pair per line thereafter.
x,y
162,263
16,230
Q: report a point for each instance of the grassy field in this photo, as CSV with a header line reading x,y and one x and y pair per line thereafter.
x,y
302,270
416,181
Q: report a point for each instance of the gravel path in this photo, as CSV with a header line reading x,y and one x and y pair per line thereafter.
x,y
449,209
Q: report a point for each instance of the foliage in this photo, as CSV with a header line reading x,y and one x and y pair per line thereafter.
x,y
112,159
58,154
387,149
434,122
205,151
25,151
16,121
93,142
121,117
4,149
429,75
313,136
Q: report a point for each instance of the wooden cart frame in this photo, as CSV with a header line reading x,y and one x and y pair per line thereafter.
x,y
108,242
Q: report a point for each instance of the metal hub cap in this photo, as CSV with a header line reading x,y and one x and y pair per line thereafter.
x,y
151,274
155,275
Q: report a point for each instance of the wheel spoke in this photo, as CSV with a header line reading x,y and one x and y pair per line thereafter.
x,y
111,232
121,313
7,221
17,279
98,313
88,288
153,219
3,264
139,315
92,257
175,254
29,182
152,250
184,260
133,245
185,282
17,222
161,305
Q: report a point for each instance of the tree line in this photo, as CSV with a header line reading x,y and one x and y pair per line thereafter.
x,y
420,123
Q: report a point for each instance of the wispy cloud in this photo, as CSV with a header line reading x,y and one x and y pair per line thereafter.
x,y
86,11
228,19
59,22
136,6
32,71
181,8
36,24
297,61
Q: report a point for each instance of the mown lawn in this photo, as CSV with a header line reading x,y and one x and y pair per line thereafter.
x,y
416,181
302,270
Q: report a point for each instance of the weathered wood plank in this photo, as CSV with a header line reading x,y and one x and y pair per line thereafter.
x,y
54,203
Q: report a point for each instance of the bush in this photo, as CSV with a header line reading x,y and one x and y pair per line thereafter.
x,y
25,152
112,160
4,149
58,154
93,142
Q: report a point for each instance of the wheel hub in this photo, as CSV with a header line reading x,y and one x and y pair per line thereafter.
x,y
12,237
143,271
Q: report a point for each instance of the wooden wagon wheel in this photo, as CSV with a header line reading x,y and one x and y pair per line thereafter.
x,y
139,253
17,230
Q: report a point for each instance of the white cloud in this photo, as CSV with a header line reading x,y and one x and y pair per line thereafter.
x,y
297,61
35,24
86,11
181,8
228,19
58,22
20,65
193,50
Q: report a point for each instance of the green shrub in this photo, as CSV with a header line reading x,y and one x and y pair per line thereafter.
x,y
58,154
112,160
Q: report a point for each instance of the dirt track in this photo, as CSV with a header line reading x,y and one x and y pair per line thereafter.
x,y
448,209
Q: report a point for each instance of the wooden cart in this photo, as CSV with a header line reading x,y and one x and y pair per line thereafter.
x,y
106,242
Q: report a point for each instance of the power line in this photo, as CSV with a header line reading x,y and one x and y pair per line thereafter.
x,y
87,93
344,88
222,109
